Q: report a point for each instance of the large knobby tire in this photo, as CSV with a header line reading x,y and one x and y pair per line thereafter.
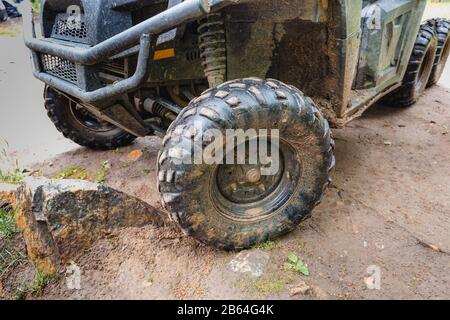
x,y
418,71
220,205
80,126
442,29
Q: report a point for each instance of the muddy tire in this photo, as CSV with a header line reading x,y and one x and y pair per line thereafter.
x,y
442,29
418,71
82,127
233,206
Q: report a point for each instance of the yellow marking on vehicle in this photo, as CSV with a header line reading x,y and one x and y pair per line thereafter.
x,y
164,54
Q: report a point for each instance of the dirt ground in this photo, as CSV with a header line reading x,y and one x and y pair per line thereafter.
x,y
389,207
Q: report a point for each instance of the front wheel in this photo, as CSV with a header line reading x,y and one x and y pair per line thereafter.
x,y
82,127
245,196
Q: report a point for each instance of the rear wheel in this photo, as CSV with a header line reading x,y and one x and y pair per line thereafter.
x,y
82,127
442,29
418,71
234,205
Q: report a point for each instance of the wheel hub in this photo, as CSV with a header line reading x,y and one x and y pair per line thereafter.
x,y
89,120
253,175
242,192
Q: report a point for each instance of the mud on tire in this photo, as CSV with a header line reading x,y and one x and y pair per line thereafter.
x,y
82,127
442,29
418,71
223,217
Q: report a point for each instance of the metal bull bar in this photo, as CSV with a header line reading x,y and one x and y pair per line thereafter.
x,y
139,34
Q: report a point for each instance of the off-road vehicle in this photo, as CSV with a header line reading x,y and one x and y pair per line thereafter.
x,y
119,69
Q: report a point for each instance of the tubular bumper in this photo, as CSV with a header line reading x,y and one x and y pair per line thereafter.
x,y
140,34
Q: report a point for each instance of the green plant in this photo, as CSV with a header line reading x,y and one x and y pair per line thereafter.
x,y
14,176
278,284
10,257
36,6
268,287
41,280
80,173
102,173
74,172
268,245
7,224
10,31
296,264
21,292
10,171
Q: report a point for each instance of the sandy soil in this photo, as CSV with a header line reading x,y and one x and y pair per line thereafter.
x,y
389,207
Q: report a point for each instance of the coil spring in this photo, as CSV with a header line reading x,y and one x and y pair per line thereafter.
x,y
158,109
212,43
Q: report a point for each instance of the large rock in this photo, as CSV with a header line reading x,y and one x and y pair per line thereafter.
x,y
61,218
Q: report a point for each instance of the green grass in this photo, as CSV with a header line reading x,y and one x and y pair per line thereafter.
x,y
10,257
278,284
10,31
7,225
36,6
14,176
79,173
41,280
102,173
74,172
10,171
268,245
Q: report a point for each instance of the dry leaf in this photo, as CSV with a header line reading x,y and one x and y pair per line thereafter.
x,y
301,288
135,155
435,248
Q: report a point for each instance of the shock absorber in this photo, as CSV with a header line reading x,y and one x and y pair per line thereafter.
x,y
162,107
212,43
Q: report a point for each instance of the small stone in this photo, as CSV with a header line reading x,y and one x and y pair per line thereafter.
x,y
253,263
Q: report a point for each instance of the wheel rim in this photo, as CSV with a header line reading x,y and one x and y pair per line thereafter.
x,y
88,120
242,193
